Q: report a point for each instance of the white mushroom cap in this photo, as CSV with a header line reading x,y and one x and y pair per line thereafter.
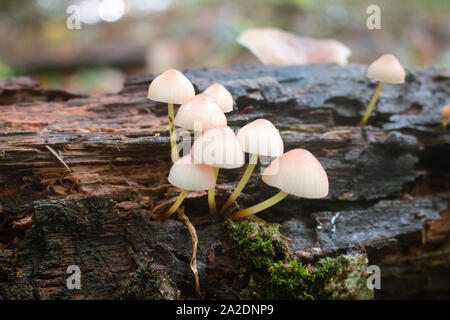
x,y
221,95
446,111
386,69
218,147
262,138
299,173
171,86
200,112
185,174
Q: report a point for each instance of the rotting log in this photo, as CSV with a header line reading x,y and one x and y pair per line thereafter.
x,y
388,202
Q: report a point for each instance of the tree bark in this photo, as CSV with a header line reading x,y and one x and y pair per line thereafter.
x,y
83,181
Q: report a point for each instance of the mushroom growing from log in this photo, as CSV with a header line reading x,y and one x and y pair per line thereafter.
x,y
446,115
201,111
221,95
171,87
259,137
189,176
200,114
296,172
219,148
386,69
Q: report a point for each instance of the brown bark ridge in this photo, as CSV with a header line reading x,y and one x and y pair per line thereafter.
x,y
83,180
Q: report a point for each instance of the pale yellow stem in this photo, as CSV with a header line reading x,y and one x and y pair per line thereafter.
x,y
211,194
177,203
369,109
260,206
444,123
247,174
172,133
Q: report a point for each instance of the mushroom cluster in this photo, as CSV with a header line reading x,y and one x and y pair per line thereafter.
x,y
216,146
296,172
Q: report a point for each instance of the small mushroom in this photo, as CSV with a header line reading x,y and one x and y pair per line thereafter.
x,y
296,172
189,176
446,115
221,95
386,69
200,110
171,87
219,148
259,137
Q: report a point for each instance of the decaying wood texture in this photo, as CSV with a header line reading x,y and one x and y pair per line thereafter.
x,y
389,184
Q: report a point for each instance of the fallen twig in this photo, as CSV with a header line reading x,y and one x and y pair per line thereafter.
x,y
53,152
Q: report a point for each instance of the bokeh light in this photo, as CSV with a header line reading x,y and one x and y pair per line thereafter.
x,y
89,11
111,10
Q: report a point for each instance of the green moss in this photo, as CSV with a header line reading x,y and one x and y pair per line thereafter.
x,y
257,246
294,280
264,253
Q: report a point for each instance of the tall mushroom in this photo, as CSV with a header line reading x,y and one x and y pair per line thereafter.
x,y
296,172
221,95
386,69
219,148
189,176
259,137
171,87
446,115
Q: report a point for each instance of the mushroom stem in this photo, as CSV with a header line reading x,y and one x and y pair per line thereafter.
x,y
444,123
177,203
260,206
247,174
173,137
211,194
369,109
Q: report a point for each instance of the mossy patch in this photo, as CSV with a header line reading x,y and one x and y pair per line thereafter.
x,y
257,246
294,280
264,255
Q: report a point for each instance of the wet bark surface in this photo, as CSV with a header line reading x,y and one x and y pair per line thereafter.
x,y
389,184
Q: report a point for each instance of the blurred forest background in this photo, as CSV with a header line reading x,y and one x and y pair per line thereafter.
x,y
123,37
